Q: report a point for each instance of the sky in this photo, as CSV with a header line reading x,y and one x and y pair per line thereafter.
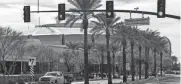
x,y
12,15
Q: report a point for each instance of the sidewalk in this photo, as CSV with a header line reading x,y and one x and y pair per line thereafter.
x,y
103,81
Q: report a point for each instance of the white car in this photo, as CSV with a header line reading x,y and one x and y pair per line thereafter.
x,y
55,77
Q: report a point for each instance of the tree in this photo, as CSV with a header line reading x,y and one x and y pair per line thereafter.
x,y
121,36
133,38
84,17
150,37
9,40
73,46
105,25
101,48
90,47
114,48
162,49
69,61
174,59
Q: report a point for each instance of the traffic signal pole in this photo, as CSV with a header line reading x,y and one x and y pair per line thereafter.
x,y
125,11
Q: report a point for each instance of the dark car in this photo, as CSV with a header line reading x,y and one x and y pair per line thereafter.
x,y
69,77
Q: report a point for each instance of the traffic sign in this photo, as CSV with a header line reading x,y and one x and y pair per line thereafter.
x,y
32,61
137,21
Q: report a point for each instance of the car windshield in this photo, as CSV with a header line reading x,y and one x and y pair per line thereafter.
x,y
51,74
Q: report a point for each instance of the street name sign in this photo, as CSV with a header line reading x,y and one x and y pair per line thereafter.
x,y
32,61
137,21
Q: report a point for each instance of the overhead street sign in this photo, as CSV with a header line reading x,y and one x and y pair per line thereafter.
x,y
32,61
137,21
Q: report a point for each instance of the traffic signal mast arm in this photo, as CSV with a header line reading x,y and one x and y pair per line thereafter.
x,y
126,11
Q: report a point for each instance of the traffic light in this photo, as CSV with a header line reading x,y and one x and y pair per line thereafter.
x,y
109,9
26,14
161,8
61,11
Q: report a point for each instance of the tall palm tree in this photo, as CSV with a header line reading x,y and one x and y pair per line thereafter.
x,y
105,25
114,48
122,32
84,17
162,48
133,38
101,48
149,36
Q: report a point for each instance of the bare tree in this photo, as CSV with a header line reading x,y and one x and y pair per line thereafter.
x,y
69,60
9,40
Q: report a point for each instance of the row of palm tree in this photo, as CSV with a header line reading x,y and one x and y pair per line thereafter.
x,y
118,32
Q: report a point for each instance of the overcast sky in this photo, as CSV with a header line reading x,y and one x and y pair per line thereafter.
x,y
12,15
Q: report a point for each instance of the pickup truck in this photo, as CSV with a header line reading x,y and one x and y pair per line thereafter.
x,y
54,77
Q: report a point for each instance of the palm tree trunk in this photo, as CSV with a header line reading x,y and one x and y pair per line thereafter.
x,y
108,57
154,70
119,64
102,63
161,55
85,26
124,62
113,63
139,62
146,61
132,62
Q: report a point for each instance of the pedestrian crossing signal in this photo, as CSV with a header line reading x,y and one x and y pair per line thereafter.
x,y
109,9
26,14
161,8
61,11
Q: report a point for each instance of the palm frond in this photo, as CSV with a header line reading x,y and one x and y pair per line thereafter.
x,y
74,3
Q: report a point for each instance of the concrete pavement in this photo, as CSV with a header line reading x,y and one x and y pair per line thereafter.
x,y
99,81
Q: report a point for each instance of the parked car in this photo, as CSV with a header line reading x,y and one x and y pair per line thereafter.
x,y
52,78
69,77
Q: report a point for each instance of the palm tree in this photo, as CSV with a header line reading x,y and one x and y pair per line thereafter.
x,y
149,36
114,48
133,38
105,25
73,46
90,47
101,48
162,48
122,32
84,17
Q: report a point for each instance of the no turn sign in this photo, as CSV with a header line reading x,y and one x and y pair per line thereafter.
x,y
32,61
